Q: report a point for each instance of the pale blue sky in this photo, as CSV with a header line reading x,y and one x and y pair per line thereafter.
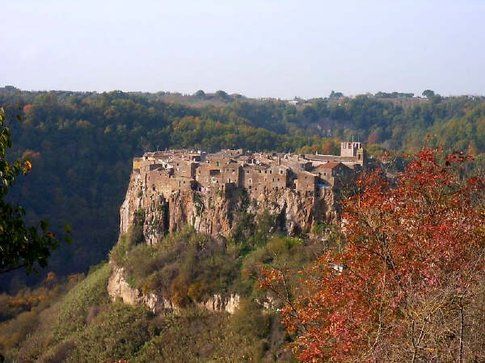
x,y
259,48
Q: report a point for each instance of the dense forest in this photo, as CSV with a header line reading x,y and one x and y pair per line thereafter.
x,y
81,144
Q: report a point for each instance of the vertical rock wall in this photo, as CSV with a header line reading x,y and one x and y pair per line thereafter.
x,y
216,212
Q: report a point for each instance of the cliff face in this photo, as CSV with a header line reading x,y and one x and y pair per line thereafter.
x,y
216,212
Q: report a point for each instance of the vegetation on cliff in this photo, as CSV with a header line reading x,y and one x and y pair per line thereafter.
x,y
82,325
77,321
187,267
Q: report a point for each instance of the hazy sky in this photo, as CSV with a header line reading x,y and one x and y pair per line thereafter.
x,y
259,48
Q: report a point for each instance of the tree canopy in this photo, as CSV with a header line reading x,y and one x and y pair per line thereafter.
x,y
20,245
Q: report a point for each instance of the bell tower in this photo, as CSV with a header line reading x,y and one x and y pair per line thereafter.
x,y
350,148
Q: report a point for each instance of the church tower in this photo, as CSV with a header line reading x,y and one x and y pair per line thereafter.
x,y
352,149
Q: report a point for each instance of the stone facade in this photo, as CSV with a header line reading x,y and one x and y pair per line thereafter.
x,y
180,170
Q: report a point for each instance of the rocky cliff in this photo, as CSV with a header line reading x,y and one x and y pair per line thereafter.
x,y
216,212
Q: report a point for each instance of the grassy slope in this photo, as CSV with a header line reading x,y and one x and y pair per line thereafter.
x,y
84,326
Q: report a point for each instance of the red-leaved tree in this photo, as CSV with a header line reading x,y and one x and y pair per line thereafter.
x,y
408,283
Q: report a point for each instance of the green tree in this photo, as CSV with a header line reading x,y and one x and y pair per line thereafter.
x,y
20,245
335,95
200,94
222,95
428,93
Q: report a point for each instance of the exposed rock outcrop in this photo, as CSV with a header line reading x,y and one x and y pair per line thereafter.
x,y
119,288
216,213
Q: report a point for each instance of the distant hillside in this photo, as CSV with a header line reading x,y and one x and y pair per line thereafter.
x,y
81,144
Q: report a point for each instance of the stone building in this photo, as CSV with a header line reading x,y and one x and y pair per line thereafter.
x,y
336,174
306,183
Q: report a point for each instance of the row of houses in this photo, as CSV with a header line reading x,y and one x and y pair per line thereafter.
x,y
182,170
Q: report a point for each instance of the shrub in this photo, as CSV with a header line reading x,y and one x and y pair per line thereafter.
x,y
120,250
186,267
116,333
280,252
249,319
200,336
75,305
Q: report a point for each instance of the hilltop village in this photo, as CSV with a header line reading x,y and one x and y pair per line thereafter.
x,y
171,171
224,195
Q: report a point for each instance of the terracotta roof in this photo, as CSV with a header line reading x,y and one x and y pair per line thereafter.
x,y
329,165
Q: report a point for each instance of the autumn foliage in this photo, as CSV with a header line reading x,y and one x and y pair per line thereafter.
x,y
408,283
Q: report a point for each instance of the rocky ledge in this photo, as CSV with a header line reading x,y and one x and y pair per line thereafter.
x,y
119,289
